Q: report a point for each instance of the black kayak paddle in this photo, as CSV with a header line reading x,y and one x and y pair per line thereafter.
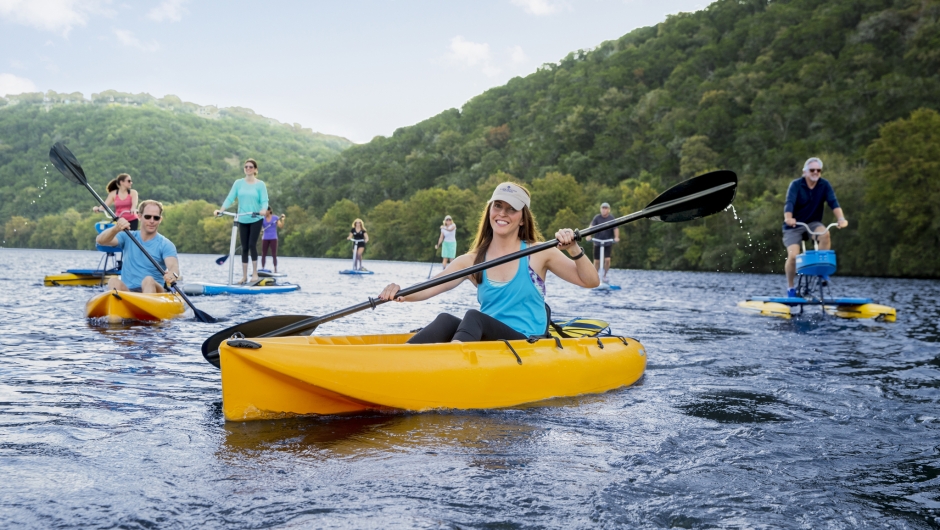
x,y
695,198
68,165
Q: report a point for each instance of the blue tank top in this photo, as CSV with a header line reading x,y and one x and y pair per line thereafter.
x,y
517,303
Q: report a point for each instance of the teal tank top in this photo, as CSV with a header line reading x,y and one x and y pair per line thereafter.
x,y
517,303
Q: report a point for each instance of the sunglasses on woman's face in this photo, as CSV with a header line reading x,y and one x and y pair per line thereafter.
x,y
154,217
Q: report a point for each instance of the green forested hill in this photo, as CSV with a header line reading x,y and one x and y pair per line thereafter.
x,y
749,85
174,150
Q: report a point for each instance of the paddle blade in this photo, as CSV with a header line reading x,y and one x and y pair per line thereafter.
x,y
701,206
66,163
252,328
223,259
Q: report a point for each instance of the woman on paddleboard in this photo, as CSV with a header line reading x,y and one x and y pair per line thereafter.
x,y
269,226
449,241
123,199
511,295
359,235
252,197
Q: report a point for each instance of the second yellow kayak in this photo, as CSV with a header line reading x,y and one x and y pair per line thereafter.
x,y
277,377
116,306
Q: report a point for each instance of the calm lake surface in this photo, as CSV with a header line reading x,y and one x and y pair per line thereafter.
x,y
741,421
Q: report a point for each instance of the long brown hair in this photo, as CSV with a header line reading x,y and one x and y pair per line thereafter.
x,y
528,232
115,183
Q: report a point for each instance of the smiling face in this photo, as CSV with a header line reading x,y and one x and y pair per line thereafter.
x,y
126,184
813,171
150,219
504,219
250,169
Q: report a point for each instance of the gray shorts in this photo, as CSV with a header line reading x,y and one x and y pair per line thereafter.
x,y
793,236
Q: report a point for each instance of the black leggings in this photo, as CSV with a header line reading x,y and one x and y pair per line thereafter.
x,y
249,232
474,327
269,244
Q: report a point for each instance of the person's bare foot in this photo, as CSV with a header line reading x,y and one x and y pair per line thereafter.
x,y
255,279
243,281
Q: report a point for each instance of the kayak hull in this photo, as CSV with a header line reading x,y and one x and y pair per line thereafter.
x,y
79,280
789,307
117,306
346,374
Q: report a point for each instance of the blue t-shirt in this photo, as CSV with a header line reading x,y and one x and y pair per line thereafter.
x,y
807,204
135,265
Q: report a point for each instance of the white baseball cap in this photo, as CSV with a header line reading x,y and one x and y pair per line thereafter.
x,y
511,194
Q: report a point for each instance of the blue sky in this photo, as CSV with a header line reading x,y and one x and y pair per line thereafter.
x,y
356,68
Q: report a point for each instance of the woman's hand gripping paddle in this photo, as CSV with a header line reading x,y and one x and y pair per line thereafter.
x,y
68,165
692,199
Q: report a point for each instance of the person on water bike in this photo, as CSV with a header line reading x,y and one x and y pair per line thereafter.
x,y
511,295
805,204
137,273
611,236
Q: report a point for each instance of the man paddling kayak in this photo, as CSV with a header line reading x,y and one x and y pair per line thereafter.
x,y
805,204
137,273
511,295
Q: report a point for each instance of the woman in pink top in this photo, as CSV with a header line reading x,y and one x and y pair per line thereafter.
x,y
123,198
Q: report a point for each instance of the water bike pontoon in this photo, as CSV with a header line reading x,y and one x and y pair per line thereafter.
x,y
604,286
813,269
266,285
353,270
108,266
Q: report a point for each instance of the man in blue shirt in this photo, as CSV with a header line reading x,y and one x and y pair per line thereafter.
x,y
805,199
137,273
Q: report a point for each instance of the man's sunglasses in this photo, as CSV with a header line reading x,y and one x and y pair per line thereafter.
x,y
154,217
813,170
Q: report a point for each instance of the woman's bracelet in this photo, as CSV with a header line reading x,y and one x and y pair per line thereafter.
x,y
579,256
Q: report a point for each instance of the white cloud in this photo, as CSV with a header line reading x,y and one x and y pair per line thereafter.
x,y
517,55
168,10
128,39
58,16
538,7
11,84
472,54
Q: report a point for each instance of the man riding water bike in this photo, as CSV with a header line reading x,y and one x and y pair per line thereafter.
x,y
804,204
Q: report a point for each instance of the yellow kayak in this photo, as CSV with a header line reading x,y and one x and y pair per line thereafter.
x,y
81,280
286,376
124,305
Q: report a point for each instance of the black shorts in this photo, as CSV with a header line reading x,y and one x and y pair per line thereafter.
x,y
360,244
607,251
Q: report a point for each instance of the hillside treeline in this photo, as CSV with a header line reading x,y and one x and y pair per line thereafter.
x,y
175,151
748,85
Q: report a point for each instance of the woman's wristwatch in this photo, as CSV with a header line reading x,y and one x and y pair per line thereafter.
x,y
579,256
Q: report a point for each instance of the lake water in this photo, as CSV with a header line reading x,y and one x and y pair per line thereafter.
x,y
741,421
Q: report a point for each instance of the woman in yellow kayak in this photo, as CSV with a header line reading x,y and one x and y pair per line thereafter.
x,y
511,295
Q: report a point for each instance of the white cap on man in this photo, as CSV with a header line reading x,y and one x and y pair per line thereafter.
x,y
605,205
511,194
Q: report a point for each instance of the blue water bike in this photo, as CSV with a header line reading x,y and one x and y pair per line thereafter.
x,y
813,288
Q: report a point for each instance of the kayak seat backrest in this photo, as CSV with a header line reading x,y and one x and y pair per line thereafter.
x,y
579,327
101,226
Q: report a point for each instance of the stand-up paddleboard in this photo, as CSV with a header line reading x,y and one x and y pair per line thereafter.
x,y
210,289
604,286
266,273
266,285
354,270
